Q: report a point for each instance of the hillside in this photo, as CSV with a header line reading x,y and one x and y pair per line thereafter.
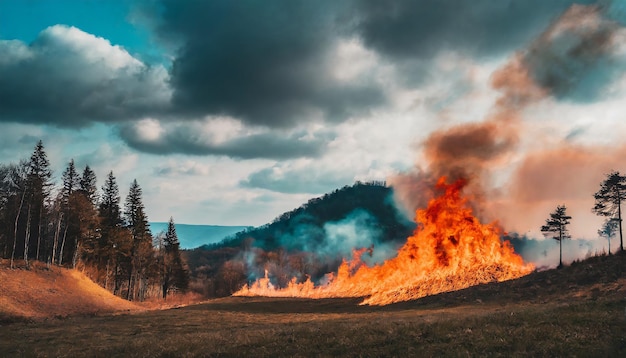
x,y
43,292
575,311
364,204
309,240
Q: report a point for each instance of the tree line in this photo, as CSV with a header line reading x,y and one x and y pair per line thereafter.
x,y
77,226
608,203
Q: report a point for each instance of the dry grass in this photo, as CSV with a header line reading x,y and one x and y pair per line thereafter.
x,y
577,311
41,292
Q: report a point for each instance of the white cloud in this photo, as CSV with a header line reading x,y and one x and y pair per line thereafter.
x,y
70,78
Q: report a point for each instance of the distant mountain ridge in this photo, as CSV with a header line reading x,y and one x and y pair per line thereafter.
x,y
192,236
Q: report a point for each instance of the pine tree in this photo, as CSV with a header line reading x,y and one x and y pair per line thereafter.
x,y
38,186
609,200
556,227
141,249
609,227
109,208
174,273
88,185
85,203
114,243
71,183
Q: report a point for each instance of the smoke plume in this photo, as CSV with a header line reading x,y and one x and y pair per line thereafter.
x,y
567,62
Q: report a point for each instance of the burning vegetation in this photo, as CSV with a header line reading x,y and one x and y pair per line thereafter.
x,y
450,250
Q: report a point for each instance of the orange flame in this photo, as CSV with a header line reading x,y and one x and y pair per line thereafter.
x,y
450,250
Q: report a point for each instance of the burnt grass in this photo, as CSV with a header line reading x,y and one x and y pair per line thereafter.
x,y
579,310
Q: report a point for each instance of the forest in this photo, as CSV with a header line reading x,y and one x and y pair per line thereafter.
x,y
75,225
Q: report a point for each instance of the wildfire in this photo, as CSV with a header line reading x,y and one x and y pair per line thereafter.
x,y
449,250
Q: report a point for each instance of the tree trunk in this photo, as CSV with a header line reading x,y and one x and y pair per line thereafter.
x,y
17,219
27,237
619,218
63,245
39,233
129,292
56,238
561,253
75,257
560,248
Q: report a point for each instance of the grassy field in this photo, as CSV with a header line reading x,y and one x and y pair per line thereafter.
x,y
577,311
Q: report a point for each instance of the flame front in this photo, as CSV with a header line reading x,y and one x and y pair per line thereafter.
x,y
450,250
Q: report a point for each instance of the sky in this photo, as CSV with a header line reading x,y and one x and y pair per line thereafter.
x,y
233,112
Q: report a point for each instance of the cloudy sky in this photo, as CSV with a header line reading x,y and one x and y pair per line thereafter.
x,y
232,112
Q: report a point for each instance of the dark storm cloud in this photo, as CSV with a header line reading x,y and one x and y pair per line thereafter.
x,y
69,78
268,63
187,140
407,29
264,62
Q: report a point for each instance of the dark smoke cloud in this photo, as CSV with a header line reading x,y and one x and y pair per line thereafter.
x,y
575,57
580,40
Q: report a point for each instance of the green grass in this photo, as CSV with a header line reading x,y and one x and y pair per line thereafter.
x,y
578,311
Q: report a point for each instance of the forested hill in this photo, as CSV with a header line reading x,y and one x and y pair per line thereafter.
x,y
364,206
308,241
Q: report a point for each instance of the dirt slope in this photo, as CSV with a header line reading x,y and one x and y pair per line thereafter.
x,y
43,292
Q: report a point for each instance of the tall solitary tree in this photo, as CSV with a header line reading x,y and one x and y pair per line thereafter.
x,y
609,200
556,227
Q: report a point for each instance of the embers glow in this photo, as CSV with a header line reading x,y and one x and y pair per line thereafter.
x,y
449,250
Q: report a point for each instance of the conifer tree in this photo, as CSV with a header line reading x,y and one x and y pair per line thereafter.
x,y
71,183
141,248
114,244
609,227
109,208
38,186
85,203
88,185
609,200
175,275
556,227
